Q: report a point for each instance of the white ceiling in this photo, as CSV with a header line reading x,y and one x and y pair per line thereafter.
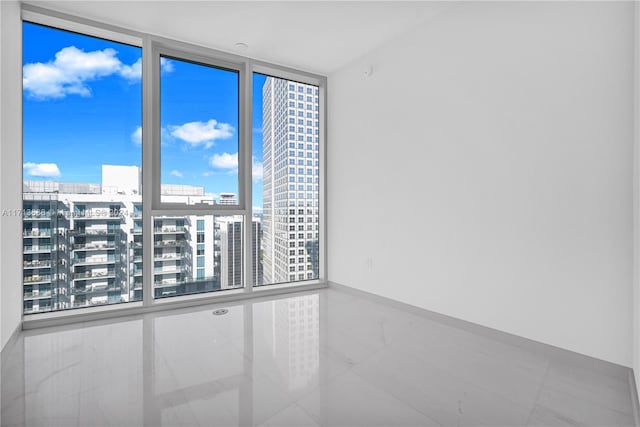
x,y
317,36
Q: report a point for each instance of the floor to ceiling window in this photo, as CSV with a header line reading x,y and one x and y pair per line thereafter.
x,y
82,103
199,166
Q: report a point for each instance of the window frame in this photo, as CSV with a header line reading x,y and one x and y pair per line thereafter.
x,y
152,48
202,57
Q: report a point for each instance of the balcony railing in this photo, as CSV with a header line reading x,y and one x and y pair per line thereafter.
x,y
93,246
161,283
176,229
167,257
97,214
36,264
37,278
94,275
169,271
41,248
32,233
101,287
95,260
34,295
37,215
91,232
162,243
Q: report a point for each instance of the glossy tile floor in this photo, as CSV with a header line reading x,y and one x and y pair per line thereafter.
x,y
321,358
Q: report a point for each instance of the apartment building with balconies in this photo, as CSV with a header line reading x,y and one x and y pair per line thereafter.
x,y
45,257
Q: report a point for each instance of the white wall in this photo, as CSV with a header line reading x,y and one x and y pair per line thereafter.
x,y
486,169
2,61
10,169
636,202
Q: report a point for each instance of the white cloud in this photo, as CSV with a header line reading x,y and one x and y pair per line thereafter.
x,y
176,173
68,72
133,71
41,169
136,136
72,68
196,133
256,170
230,162
224,161
166,65
257,209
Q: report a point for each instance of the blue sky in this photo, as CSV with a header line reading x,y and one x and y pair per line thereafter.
x,y
82,108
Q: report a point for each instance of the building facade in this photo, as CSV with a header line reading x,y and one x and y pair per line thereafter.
x,y
291,181
82,243
231,236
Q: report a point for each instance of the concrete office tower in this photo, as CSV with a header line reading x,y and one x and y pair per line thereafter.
x,y
231,252
290,133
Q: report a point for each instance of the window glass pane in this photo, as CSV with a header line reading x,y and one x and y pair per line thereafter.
x,y
199,133
285,199
203,255
82,113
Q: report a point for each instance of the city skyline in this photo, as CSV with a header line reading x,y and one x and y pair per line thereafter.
x,y
82,244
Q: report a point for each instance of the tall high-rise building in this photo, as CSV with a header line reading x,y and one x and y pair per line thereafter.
x,y
231,249
291,180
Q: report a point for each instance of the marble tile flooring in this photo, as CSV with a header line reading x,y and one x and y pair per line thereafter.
x,y
318,358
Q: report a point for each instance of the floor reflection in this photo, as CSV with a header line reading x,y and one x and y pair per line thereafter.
x,y
319,358
293,341
180,367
